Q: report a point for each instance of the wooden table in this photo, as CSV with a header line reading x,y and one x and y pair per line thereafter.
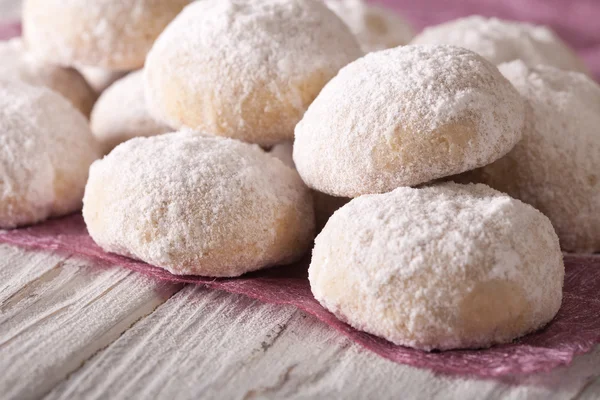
x,y
70,329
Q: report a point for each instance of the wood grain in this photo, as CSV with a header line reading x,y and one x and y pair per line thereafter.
x,y
211,344
56,312
591,391
10,10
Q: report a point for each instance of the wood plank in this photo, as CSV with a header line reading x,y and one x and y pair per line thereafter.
x,y
57,311
591,391
18,268
10,10
211,344
200,340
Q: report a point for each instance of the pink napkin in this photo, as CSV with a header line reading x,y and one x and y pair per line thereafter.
x,y
575,330
10,30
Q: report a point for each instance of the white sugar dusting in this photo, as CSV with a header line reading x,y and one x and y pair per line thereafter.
x,y
16,63
113,34
198,204
99,78
556,167
375,27
406,116
246,69
502,41
121,113
414,265
46,148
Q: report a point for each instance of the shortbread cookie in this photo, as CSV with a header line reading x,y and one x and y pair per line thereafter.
x,y
503,41
443,267
46,149
375,27
325,205
198,204
284,151
112,34
246,69
18,64
556,167
406,116
121,113
99,78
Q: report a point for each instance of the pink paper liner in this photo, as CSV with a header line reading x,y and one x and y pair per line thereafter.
x,y
10,30
575,330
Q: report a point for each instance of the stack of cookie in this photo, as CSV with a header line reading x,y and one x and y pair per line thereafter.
x,y
408,255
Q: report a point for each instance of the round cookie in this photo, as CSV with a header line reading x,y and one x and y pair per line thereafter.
x,y
375,27
502,41
556,167
198,204
405,116
442,267
100,79
325,205
46,148
113,34
121,114
245,69
17,64
284,152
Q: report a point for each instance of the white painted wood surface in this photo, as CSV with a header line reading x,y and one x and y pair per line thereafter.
x,y
56,312
73,330
9,10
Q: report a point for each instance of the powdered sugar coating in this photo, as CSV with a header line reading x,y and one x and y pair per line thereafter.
x,y
46,148
375,27
198,204
245,69
405,116
113,34
284,152
502,41
99,78
442,267
121,113
556,167
16,63
325,205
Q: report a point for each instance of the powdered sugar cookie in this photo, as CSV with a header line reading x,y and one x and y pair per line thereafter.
x,y
198,204
503,41
556,167
284,152
113,34
405,116
121,114
443,267
46,148
245,69
18,64
100,79
375,27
